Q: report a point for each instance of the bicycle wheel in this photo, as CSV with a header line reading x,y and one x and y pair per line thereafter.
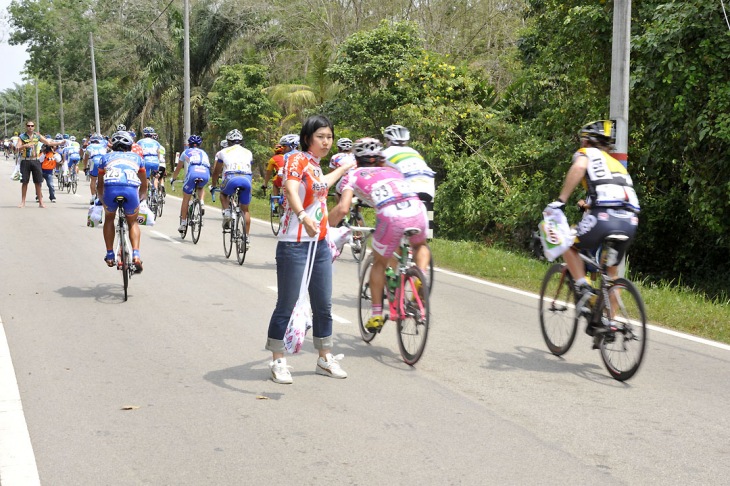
x,y
413,326
558,315
123,256
364,301
240,237
67,182
228,239
160,200
74,185
195,221
358,247
275,217
623,350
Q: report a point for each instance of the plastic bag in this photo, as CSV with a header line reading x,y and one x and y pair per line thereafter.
x,y
93,219
300,320
555,233
16,172
336,239
145,216
299,323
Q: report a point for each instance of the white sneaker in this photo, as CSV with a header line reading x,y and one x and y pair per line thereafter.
x,y
280,372
202,208
248,242
331,366
182,227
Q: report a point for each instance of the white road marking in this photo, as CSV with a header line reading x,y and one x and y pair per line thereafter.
x,y
164,236
670,332
17,461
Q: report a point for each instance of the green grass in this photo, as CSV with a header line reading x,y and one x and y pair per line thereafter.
x,y
667,305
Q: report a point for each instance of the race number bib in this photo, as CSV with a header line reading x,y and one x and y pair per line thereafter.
x,y
389,191
113,174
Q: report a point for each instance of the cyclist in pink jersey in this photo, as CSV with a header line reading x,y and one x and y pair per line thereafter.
x,y
397,207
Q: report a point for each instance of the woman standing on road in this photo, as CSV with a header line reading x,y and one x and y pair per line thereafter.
x,y
305,222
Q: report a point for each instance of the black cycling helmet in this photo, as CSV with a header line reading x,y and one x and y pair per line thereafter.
x,y
601,132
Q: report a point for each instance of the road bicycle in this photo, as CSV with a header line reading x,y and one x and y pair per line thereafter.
x,y
234,233
123,247
408,298
161,195
195,214
358,239
73,182
276,210
615,316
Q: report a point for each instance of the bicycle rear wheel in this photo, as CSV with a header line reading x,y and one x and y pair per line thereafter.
x,y
365,302
413,326
623,350
275,217
558,315
67,182
74,184
123,256
228,234
196,221
160,200
240,237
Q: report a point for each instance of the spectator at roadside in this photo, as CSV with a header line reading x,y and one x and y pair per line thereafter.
x,y
27,146
49,159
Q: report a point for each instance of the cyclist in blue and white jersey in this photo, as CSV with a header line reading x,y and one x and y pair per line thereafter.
x,y
150,153
72,155
92,157
197,166
409,162
344,156
234,162
121,173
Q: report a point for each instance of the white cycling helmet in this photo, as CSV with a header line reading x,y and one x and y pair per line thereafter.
x,y
367,150
291,140
122,139
224,144
397,134
344,144
234,136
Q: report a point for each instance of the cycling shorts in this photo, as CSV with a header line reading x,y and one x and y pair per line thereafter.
x,y
94,164
151,167
392,220
162,170
601,222
234,181
131,193
276,181
195,172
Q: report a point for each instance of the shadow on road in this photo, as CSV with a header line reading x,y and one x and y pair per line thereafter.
x,y
105,293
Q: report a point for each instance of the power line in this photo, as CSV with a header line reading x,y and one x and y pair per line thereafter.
x,y
142,32
724,12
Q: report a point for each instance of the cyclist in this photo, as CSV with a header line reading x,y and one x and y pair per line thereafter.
x,y
150,153
122,173
234,162
197,166
162,168
92,158
343,156
409,162
287,143
71,156
397,207
611,205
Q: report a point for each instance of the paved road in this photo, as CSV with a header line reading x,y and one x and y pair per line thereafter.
x,y
487,404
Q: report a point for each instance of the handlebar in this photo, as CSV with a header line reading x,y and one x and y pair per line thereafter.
x,y
213,190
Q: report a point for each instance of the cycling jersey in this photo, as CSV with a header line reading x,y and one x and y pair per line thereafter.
x,y
150,150
412,165
341,158
121,169
607,181
162,156
95,151
276,165
236,160
304,167
71,152
194,156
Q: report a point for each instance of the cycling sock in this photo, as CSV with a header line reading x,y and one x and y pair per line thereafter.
x,y
109,255
135,253
377,310
581,281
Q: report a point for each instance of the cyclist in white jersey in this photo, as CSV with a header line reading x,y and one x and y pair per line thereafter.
x,y
409,162
197,166
344,156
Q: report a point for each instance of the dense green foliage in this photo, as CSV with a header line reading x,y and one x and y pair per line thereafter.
x,y
492,90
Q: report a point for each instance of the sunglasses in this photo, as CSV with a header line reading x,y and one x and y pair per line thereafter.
x,y
30,126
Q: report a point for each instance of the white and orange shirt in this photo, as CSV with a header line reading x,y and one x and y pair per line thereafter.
x,y
304,167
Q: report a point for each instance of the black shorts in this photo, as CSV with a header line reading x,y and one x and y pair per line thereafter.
x,y
601,222
28,167
161,171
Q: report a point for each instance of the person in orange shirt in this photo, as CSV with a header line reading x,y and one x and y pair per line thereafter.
x,y
49,159
286,145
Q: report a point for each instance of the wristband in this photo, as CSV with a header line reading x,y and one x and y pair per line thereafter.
x,y
300,217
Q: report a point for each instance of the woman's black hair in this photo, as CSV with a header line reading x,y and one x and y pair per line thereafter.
x,y
311,125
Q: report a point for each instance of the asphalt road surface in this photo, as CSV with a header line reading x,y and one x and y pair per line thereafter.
x,y
173,387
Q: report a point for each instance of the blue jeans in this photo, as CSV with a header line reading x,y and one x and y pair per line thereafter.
x,y
48,176
291,258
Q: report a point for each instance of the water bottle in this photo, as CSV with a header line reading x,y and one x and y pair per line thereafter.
x,y
391,279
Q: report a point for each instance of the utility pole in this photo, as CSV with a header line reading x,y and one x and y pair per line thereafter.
x,y
5,116
37,111
93,78
60,100
186,74
619,109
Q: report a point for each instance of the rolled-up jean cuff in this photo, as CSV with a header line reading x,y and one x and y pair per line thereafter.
x,y
323,342
275,345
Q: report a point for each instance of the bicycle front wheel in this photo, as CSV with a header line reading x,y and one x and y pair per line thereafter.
x,y
358,246
365,301
240,237
275,217
622,350
68,186
74,185
160,201
196,221
413,324
228,234
124,258
558,315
